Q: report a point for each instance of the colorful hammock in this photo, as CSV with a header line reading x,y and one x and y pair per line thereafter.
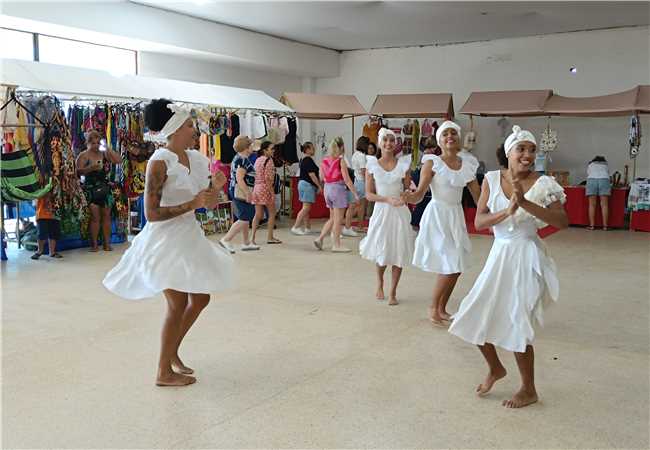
x,y
18,179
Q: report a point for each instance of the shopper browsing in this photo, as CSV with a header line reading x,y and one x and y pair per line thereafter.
x,y
334,172
309,186
263,194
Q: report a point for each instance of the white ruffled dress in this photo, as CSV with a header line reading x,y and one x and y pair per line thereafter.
x,y
389,241
442,245
174,253
519,279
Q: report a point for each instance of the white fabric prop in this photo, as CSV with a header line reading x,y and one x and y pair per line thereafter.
x,y
445,125
517,137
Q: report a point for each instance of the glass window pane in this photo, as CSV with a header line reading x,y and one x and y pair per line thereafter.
x,y
82,54
16,44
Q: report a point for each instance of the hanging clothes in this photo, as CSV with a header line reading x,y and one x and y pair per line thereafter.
x,y
290,146
407,143
227,152
371,130
253,125
415,160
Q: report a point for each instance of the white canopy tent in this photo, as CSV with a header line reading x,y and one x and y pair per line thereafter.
x,y
86,83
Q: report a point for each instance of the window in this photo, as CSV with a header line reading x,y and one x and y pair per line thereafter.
x,y
16,44
82,54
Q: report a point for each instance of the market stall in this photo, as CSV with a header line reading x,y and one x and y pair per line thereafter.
x,y
320,107
545,103
112,105
612,105
507,103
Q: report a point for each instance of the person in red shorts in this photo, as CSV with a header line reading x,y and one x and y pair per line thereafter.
x,y
49,227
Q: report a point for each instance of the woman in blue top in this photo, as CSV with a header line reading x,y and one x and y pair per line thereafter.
x,y
242,180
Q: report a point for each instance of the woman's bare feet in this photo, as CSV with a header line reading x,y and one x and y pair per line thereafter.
x,y
94,249
492,377
444,316
392,301
380,294
180,367
522,398
108,248
174,379
435,318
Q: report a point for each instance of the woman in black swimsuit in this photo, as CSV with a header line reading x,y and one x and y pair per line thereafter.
x,y
92,164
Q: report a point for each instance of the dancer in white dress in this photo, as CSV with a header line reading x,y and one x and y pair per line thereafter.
x,y
442,245
519,278
171,253
389,241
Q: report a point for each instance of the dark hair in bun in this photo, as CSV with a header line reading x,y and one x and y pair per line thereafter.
x,y
156,114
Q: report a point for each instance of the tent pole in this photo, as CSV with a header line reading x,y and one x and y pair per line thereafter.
x,y
352,146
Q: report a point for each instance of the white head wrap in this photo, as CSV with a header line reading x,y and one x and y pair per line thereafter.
x,y
383,132
517,137
177,120
445,125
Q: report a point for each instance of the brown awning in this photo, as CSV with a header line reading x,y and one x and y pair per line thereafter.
x,y
620,104
643,99
323,106
413,105
507,103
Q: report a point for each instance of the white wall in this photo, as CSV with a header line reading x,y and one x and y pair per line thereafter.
x,y
139,27
200,71
607,61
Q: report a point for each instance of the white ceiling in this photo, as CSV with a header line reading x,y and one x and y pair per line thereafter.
x,y
379,24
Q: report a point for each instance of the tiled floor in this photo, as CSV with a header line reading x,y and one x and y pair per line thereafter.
x,y
301,355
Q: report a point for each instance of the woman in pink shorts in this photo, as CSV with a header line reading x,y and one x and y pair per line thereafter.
x,y
334,172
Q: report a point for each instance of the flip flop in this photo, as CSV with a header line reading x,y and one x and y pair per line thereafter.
x,y
37,255
591,228
57,256
274,241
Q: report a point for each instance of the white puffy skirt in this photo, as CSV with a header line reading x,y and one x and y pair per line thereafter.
x,y
442,245
509,296
171,254
389,241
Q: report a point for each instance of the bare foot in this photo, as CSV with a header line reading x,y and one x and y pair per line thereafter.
x,y
444,316
108,248
522,398
93,249
435,318
392,301
491,378
180,367
175,379
380,294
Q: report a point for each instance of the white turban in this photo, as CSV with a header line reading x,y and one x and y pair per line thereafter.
x,y
383,133
177,120
517,137
445,125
